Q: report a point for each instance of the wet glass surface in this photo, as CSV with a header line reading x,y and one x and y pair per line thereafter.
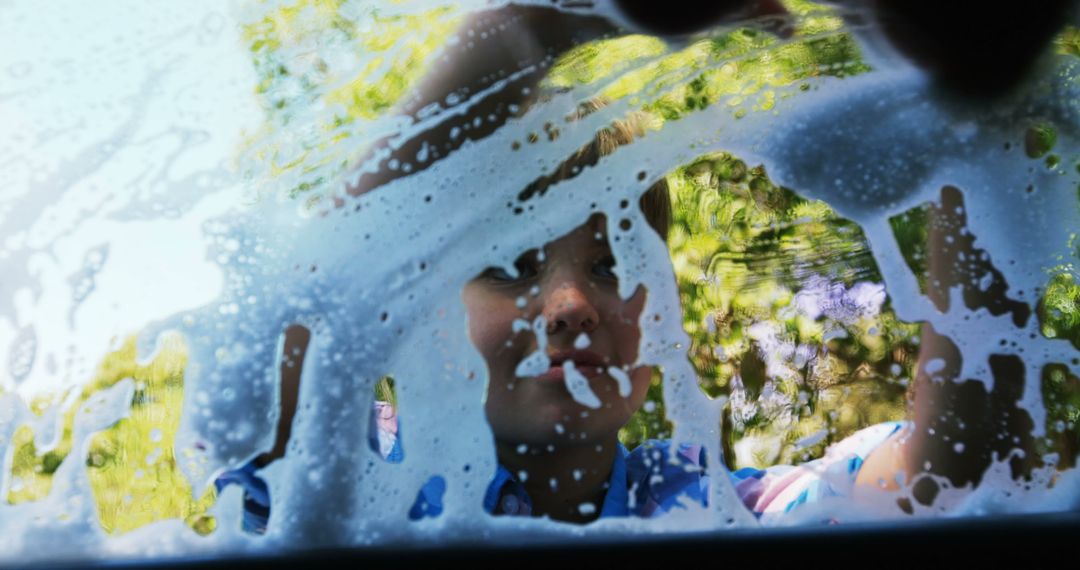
x,y
311,273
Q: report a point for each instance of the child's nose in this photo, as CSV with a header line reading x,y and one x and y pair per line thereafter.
x,y
568,308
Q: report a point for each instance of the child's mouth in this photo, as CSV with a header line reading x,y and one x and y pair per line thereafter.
x,y
587,363
558,374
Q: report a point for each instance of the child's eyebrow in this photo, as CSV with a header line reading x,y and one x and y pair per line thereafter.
x,y
599,245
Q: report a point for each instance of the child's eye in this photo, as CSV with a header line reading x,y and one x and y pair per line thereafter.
x,y
525,269
604,267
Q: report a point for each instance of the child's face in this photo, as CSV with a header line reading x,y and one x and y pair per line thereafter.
x,y
576,292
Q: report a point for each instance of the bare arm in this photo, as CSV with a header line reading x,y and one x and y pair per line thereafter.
x,y
958,426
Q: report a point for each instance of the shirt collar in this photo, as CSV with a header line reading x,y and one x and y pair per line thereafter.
x,y
616,500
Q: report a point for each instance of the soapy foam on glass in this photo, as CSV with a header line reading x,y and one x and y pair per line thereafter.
x,y
173,251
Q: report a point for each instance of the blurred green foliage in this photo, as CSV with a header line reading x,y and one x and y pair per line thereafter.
x,y
744,250
1059,312
131,467
1061,396
327,70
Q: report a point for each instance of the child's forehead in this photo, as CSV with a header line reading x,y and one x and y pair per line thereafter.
x,y
592,234
589,237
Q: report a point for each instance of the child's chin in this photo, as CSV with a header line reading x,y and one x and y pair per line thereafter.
x,y
543,434
555,421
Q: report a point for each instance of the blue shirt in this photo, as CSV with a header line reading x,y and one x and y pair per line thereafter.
x,y
642,482
646,482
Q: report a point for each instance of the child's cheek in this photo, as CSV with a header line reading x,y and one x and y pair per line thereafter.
x,y
628,333
640,379
483,333
490,325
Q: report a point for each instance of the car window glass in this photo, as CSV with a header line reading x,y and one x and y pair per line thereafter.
x,y
238,246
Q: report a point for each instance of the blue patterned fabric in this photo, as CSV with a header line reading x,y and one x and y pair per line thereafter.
x,y
647,482
256,496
